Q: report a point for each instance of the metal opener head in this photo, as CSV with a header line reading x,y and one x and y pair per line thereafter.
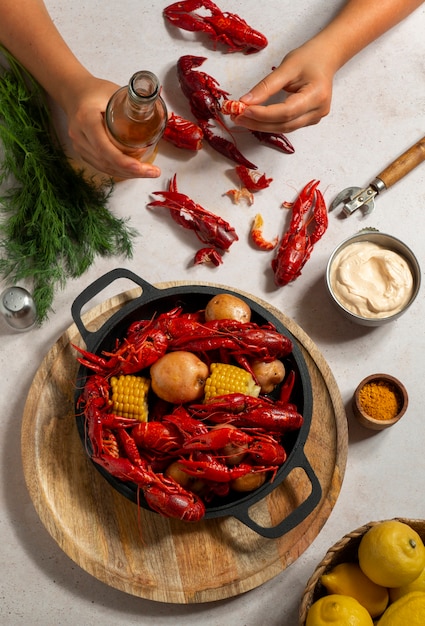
x,y
354,198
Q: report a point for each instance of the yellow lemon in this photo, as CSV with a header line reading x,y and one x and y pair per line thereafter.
x,y
417,585
349,580
338,610
391,554
407,611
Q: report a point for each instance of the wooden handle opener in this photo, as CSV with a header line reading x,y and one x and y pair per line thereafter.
x,y
354,198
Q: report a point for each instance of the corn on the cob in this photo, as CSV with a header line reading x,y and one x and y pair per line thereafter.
x,y
130,396
224,379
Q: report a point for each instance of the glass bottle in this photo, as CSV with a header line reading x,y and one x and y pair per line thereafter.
x,y
136,116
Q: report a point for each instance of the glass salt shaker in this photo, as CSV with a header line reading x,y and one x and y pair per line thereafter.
x,y
136,116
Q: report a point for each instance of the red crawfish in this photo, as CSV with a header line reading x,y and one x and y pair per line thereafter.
x,y
208,467
247,412
169,434
233,339
129,356
261,449
226,28
204,95
209,228
122,459
308,224
183,133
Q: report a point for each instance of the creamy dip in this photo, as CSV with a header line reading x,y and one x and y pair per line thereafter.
x,y
370,280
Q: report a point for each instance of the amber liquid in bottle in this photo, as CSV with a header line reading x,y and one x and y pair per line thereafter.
x,y
136,116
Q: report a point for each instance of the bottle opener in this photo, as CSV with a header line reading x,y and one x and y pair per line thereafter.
x,y
353,198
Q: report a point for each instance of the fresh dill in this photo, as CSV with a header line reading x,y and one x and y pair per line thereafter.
x,y
54,221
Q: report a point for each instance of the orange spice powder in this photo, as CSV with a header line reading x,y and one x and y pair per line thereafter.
x,y
380,400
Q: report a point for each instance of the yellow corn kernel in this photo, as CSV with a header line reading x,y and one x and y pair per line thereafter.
x,y
130,396
226,378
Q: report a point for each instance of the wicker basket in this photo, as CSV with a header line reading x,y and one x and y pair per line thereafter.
x,y
345,550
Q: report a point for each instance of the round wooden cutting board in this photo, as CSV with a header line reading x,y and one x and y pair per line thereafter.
x,y
143,553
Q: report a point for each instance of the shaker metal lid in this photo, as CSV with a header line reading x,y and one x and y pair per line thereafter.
x,y
18,308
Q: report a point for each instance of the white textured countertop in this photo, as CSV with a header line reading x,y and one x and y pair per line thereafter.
x,y
377,113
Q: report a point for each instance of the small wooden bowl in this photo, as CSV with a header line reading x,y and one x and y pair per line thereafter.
x,y
371,422
344,551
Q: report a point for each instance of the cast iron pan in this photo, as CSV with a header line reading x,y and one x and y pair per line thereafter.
x,y
195,297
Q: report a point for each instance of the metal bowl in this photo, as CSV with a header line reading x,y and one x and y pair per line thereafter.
x,y
390,243
193,298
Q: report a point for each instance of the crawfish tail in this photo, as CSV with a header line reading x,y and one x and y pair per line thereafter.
x,y
276,140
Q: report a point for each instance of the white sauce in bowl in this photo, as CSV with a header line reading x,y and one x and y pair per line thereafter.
x,y
370,280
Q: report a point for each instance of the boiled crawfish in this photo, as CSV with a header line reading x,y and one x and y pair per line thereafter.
x,y
114,449
261,449
296,246
248,412
208,102
209,228
204,95
226,28
143,453
131,356
175,330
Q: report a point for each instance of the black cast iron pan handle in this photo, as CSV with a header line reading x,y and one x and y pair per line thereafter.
x,y
99,285
296,516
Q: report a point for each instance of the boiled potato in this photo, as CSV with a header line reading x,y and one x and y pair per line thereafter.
x,y
177,473
179,377
249,482
268,375
226,306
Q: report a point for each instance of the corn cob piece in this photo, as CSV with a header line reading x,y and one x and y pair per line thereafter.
x,y
224,379
130,396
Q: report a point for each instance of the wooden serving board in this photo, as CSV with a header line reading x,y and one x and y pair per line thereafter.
x,y
140,552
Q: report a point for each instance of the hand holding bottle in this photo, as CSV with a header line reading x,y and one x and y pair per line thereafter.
x,y
86,127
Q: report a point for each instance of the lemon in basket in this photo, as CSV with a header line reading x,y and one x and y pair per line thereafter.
x,y
338,610
349,580
391,554
417,585
407,611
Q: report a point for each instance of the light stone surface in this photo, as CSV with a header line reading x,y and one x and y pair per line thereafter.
x,y
377,113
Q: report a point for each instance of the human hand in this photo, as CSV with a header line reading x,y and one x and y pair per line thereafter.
x,y
85,109
306,74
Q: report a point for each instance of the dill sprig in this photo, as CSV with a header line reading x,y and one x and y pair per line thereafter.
x,y
55,221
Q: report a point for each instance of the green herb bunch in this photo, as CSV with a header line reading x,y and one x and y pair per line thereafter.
x,y
53,220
